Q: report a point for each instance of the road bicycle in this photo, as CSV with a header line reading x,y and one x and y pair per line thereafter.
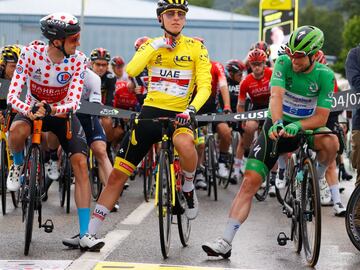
x,y
352,217
169,199
5,162
301,199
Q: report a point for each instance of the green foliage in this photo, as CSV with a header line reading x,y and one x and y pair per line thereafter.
x,y
250,7
350,7
351,37
330,22
202,3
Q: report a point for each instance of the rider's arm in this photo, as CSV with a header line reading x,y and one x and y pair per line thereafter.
x,y
276,103
202,76
18,80
317,120
224,90
110,86
140,59
242,96
352,68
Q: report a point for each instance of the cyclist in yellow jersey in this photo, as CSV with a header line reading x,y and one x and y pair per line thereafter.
x,y
175,63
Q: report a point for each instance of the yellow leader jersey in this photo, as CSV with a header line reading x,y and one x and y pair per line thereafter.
x,y
174,73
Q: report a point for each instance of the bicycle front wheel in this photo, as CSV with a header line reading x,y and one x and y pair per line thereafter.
x,y
164,203
3,175
67,184
211,167
311,213
184,224
32,170
95,183
352,218
148,176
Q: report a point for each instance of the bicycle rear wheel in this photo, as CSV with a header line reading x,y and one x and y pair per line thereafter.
x,y
148,175
311,213
352,218
280,193
95,183
184,224
32,171
211,166
263,191
3,175
164,203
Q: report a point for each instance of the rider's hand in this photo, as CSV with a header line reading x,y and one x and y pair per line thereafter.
x,y
163,42
227,110
291,129
1,118
185,117
275,129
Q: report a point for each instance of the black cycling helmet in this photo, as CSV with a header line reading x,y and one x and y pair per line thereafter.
x,y
59,26
164,5
100,54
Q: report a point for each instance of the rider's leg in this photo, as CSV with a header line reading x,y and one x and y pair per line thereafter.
x,y
325,154
105,167
224,133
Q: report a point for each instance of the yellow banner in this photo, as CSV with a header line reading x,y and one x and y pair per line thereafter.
x,y
276,4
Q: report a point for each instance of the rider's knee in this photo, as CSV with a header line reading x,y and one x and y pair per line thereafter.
x,y
79,162
251,127
250,184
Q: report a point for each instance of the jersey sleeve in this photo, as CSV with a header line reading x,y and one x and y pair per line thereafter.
x,y
221,74
17,83
93,83
243,91
202,76
282,64
76,84
326,85
140,59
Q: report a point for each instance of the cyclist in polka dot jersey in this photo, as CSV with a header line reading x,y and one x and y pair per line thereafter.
x,y
54,76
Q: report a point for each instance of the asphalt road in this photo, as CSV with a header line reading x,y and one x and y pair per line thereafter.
x,y
132,236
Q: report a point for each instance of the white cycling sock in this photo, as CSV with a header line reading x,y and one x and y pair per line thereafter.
x,y
189,181
335,193
232,226
97,218
321,169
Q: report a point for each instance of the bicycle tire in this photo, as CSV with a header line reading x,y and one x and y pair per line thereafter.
x,y
67,178
234,144
352,218
288,176
3,175
29,217
310,204
148,175
262,192
212,167
164,203
184,224
62,188
95,183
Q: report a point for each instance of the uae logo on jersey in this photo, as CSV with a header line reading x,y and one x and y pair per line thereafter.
x,y
63,77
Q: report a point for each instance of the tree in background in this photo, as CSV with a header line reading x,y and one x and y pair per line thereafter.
x,y
350,7
351,38
330,22
202,3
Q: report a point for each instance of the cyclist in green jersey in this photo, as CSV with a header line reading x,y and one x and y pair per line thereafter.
x,y
301,96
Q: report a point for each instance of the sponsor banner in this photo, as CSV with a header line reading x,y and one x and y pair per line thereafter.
x,y
278,18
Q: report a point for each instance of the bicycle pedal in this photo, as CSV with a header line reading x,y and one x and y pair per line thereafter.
x,y
282,239
48,226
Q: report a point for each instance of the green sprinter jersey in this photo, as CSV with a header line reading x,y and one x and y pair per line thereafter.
x,y
303,91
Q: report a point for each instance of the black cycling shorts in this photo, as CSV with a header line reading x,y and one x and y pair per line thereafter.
x,y
92,128
77,144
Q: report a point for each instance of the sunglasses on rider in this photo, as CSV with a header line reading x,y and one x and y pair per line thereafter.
x,y
257,64
296,54
171,14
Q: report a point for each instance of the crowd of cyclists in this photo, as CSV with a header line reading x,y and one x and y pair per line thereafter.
x,y
171,76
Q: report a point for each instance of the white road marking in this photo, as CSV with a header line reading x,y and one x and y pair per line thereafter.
x,y
138,215
89,259
34,264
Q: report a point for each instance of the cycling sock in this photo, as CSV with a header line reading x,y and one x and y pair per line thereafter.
x,y
97,218
189,181
18,158
282,162
84,218
335,193
321,169
232,226
53,155
237,165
